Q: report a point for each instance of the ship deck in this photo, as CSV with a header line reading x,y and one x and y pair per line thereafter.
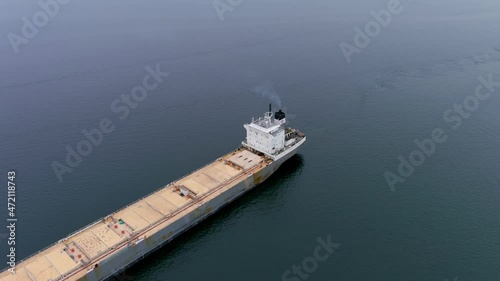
x,y
71,257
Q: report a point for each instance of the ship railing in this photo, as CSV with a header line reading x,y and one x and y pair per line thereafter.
x,y
187,203
161,188
177,211
103,218
61,240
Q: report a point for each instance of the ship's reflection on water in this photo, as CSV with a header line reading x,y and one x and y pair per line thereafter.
x,y
265,193
278,183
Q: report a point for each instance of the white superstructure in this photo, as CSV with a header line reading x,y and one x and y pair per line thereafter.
x,y
113,243
269,135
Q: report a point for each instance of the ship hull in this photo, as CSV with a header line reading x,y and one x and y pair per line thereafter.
x,y
130,255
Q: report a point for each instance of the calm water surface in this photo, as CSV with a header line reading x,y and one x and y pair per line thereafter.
x,y
442,222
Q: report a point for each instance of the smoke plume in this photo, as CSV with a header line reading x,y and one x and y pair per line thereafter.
x,y
266,90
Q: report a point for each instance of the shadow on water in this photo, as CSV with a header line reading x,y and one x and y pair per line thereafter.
x,y
266,192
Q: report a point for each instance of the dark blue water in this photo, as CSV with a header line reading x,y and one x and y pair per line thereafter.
x,y
442,222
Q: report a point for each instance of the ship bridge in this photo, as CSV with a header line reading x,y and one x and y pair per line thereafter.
x,y
267,134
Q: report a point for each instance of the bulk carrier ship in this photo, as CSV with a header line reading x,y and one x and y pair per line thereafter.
x,y
115,242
